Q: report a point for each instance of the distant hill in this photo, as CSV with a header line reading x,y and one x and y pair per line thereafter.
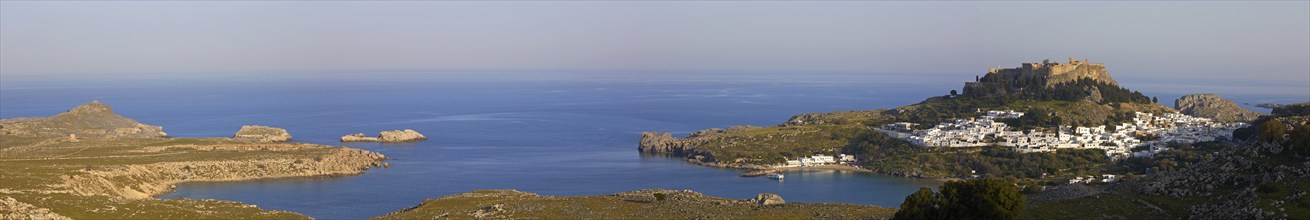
x,y
1214,107
92,119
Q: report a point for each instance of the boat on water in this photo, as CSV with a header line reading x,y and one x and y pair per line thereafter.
x,y
776,176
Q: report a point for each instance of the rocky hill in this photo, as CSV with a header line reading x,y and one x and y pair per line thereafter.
x,y
1214,107
641,204
93,119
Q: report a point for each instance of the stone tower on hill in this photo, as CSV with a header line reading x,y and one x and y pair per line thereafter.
x,y
1051,73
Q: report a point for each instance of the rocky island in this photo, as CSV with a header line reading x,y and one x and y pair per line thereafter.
x,y
393,136
259,133
91,163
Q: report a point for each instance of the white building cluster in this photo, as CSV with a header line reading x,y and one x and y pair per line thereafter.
x,y
1116,141
819,159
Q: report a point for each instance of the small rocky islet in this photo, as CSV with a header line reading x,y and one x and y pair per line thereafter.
x,y
393,136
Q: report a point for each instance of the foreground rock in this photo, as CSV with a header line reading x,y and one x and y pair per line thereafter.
x,y
768,199
13,209
262,134
394,136
641,204
97,176
1214,107
92,119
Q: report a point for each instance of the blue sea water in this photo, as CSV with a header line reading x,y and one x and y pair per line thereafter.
x,y
552,133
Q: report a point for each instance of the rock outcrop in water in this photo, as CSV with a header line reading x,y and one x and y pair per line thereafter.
x,y
1214,107
265,134
393,136
94,120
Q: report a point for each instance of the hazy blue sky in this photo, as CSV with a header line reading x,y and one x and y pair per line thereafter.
x,y
1254,41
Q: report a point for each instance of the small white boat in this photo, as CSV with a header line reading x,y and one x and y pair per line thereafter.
x,y
776,176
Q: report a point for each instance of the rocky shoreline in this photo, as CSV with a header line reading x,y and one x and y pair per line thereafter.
x,y
68,166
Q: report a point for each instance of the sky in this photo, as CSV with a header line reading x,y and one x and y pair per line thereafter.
x,y
1254,42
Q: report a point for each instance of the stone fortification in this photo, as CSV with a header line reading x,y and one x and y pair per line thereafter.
x,y
1053,73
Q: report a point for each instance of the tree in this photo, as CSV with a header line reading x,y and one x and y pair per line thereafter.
x,y
1155,99
971,199
923,204
954,93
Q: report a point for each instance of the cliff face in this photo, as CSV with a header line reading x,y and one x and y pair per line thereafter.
x,y
664,142
1214,107
93,119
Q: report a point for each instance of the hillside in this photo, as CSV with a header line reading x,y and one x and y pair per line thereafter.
x,y
1266,175
1214,107
641,204
92,119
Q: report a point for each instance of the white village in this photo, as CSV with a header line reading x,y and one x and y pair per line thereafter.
x,y
1116,141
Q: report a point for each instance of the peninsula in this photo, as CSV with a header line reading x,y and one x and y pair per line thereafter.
x,y
92,163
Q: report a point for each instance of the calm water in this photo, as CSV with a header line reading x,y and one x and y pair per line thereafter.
x,y
547,133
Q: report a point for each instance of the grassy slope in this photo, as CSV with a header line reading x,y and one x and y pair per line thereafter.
x,y
770,145
629,205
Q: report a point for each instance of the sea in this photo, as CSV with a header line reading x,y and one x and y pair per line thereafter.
x,y
558,133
